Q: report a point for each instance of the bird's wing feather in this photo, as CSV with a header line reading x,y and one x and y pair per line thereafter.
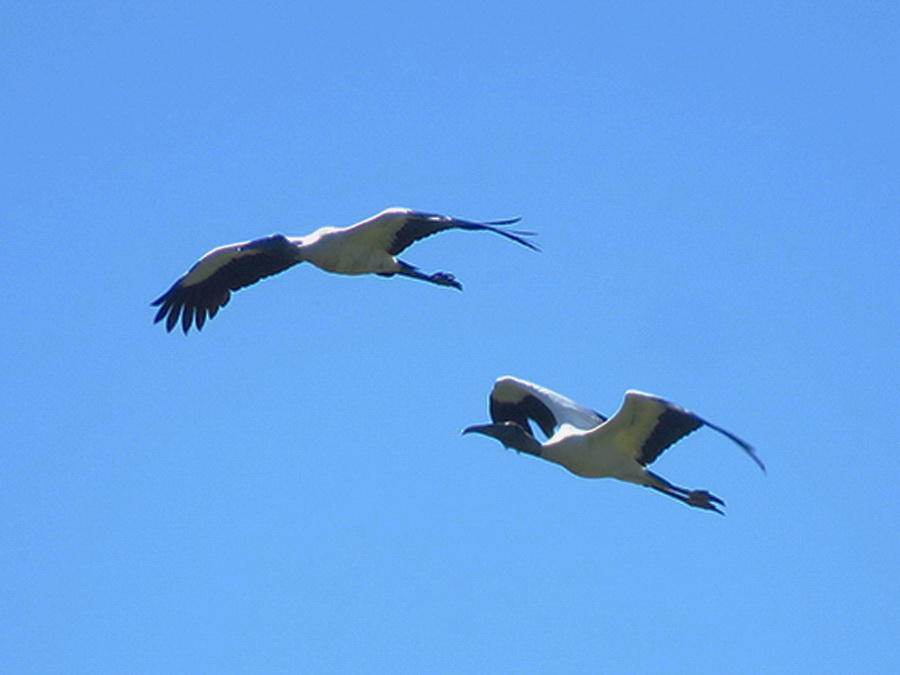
x,y
515,400
207,286
419,225
646,425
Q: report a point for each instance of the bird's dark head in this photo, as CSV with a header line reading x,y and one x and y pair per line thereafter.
x,y
511,434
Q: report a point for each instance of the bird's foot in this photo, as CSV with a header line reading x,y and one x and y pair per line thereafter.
x,y
704,500
445,279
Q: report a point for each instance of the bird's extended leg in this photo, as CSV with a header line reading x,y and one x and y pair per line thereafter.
x,y
698,498
438,278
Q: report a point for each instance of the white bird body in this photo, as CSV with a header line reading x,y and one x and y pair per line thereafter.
x,y
369,247
572,449
358,249
339,252
591,446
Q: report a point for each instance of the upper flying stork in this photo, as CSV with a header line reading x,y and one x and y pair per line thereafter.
x,y
368,247
593,446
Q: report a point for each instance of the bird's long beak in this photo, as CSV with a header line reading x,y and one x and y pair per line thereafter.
x,y
511,434
479,429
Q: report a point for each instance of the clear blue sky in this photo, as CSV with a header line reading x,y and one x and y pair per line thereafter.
x,y
716,190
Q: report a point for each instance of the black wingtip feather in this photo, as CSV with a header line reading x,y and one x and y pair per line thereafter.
x,y
744,445
507,221
161,313
172,320
518,236
187,317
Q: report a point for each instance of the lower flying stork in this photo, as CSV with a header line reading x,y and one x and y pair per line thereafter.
x,y
368,247
593,446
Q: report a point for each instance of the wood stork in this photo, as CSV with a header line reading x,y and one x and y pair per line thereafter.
x,y
369,247
593,446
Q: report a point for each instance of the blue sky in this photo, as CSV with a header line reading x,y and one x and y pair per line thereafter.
x,y
715,189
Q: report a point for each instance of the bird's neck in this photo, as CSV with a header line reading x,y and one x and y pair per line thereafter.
x,y
529,444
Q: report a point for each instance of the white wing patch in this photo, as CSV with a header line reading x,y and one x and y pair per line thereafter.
x,y
512,390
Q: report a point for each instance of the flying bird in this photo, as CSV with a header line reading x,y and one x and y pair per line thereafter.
x,y
593,446
369,247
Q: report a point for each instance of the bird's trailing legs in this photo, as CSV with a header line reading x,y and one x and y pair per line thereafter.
x,y
438,278
698,498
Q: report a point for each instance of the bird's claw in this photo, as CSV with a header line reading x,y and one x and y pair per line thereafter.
x,y
704,500
446,279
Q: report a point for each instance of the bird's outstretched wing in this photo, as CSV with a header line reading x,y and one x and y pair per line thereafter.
x,y
207,286
419,225
396,229
646,425
515,400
